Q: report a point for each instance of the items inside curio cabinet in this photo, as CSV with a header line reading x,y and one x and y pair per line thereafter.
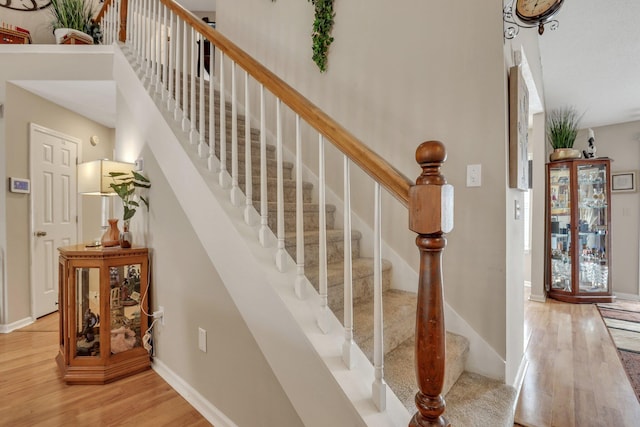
x,y
578,238
124,309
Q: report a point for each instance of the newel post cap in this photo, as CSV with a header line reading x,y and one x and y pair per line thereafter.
x,y
431,199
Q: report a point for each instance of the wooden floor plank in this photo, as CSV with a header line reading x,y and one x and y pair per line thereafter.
x,y
575,377
33,393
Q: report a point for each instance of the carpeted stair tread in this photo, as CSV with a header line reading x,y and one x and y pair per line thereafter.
x,y
399,315
400,372
478,401
362,279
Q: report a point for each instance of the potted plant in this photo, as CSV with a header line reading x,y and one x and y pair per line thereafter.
x,y
74,17
562,128
126,187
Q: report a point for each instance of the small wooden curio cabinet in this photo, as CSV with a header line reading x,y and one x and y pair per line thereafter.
x,y
578,231
103,300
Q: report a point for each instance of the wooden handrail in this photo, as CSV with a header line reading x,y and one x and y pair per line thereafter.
x,y
369,161
103,10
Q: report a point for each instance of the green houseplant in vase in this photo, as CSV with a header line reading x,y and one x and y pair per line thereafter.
x,y
74,17
127,188
562,128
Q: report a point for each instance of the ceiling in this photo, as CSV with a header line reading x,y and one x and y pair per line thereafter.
x,y
591,61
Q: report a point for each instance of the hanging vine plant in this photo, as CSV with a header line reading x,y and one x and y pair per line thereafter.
x,y
321,35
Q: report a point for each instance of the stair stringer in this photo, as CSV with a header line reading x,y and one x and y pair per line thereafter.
x,y
306,362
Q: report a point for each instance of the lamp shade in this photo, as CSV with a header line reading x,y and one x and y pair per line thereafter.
x,y
94,178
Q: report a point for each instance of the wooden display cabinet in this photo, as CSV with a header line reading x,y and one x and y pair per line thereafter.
x,y
578,238
103,296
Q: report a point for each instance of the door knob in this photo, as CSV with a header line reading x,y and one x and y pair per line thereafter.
x,y
40,233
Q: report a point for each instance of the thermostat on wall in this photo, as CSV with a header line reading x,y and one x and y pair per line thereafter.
x,y
19,185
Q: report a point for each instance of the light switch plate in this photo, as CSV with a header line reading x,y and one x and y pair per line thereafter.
x,y
474,175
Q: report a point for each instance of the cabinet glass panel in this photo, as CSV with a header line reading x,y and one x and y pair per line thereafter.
x,y
124,303
592,228
560,194
88,312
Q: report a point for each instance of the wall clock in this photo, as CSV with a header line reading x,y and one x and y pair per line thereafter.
x,y
25,5
530,14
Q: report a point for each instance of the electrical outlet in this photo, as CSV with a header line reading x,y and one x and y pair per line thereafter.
x,y
202,340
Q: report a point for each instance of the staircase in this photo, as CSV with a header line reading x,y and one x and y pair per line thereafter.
x,y
472,400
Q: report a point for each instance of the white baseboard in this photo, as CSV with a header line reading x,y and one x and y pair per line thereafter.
x,y
184,389
10,327
537,298
631,297
519,379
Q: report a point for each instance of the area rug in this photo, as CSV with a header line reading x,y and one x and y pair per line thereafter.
x,y
623,322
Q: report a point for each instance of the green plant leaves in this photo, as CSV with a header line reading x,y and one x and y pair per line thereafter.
x,y
74,14
125,185
562,127
321,34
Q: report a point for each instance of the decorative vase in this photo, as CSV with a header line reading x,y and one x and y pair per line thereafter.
x,y
112,235
564,154
125,236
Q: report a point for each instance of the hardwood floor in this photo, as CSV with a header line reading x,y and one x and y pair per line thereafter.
x,y
575,377
33,393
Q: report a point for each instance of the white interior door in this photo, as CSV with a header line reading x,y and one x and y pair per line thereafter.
x,y
53,158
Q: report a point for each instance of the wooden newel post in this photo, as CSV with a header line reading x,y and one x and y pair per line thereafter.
x,y
431,216
122,33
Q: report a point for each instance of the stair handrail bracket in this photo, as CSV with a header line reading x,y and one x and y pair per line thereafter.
x,y
431,217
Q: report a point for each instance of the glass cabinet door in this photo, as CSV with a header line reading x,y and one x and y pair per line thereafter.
x,y
560,228
87,312
592,228
124,305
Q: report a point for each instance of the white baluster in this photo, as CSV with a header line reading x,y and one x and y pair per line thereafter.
x,y
379,387
177,112
164,50
213,164
236,194
152,42
348,347
202,146
137,32
281,254
129,26
107,28
170,66
146,46
116,32
156,45
301,280
249,211
264,233
193,136
223,179
323,316
185,77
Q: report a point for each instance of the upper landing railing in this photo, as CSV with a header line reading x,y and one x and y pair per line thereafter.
x,y
173,52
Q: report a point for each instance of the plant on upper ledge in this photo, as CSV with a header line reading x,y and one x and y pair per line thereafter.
x,y
562,129
74,15
321,35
